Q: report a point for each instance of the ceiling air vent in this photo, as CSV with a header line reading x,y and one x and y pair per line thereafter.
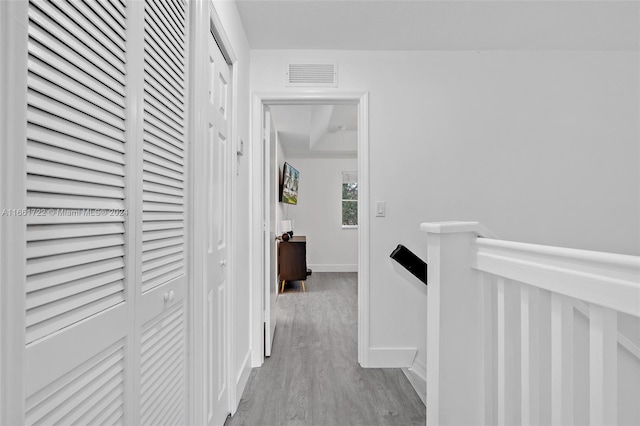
x,y
312,75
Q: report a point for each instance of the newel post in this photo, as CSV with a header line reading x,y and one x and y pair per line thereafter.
x,y
455,387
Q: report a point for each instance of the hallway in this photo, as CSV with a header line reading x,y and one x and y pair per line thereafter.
x,y
313,377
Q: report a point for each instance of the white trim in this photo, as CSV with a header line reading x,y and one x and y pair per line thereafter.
x,y
391,357
13,123
220,35
349,226
197,139
234,391
242,377
133,231
363,231
417,376
256,257
456,227
333,267
259,99
606,279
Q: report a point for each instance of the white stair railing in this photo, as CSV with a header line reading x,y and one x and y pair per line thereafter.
x,y
529,334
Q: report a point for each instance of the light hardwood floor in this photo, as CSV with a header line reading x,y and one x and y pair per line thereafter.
x,y
313,377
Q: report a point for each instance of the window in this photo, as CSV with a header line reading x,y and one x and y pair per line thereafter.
x,y
349,199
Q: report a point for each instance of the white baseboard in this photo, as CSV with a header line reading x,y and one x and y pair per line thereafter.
x,y
243,377
417,375
391,357
328,267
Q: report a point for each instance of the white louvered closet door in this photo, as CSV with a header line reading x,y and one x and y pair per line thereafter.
x,y
163,286
76,295
105,259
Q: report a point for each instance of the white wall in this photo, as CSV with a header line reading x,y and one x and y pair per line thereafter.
x,y
318,214
241,341
280,207
540,147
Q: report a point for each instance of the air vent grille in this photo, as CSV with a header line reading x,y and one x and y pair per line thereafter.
x,y
308,74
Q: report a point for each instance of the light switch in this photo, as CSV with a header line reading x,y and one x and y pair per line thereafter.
x,y
380,208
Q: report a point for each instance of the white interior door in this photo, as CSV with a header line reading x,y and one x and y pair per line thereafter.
x,y
76,288
105,336
271,190
216,275
161,310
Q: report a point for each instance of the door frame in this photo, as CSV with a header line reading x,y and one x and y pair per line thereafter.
x,y
257,255
205,22
13,128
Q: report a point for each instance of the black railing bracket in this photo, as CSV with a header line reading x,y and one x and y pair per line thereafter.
x,y
410,262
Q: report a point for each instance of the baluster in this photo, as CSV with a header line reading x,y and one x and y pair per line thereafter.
x,y
508,330
487,283
603,366
561,360
544,356
529,356
501,352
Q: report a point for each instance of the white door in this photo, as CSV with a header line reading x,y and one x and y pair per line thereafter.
x,y
76,288
216,271
105,333
271,191
161,309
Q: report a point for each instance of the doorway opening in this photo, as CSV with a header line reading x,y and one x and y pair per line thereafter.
x,y
324,138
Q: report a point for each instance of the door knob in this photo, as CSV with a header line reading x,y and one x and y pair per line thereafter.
x,y
169,295
223,262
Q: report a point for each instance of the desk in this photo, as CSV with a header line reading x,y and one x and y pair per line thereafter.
x,y
292,260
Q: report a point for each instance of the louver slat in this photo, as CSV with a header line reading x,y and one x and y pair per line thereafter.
x,y
69,150
157,69
72,134
155,77
75,169
75,25
113,30
115,11
70,70
60,292
60,44
70,397
65,82
72,116
164,11
155,90
68,98
162,380
87,171
164,48
67,304
163,149
179,8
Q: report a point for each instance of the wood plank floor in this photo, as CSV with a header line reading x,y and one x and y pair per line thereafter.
x,y
313,377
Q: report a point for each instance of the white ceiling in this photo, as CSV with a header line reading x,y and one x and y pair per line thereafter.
x,y
306,131
316,131
441,25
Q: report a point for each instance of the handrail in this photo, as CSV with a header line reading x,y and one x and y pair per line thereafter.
x,y
483,299
606,279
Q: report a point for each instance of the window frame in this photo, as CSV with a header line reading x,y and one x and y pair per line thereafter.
x,y
348,178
